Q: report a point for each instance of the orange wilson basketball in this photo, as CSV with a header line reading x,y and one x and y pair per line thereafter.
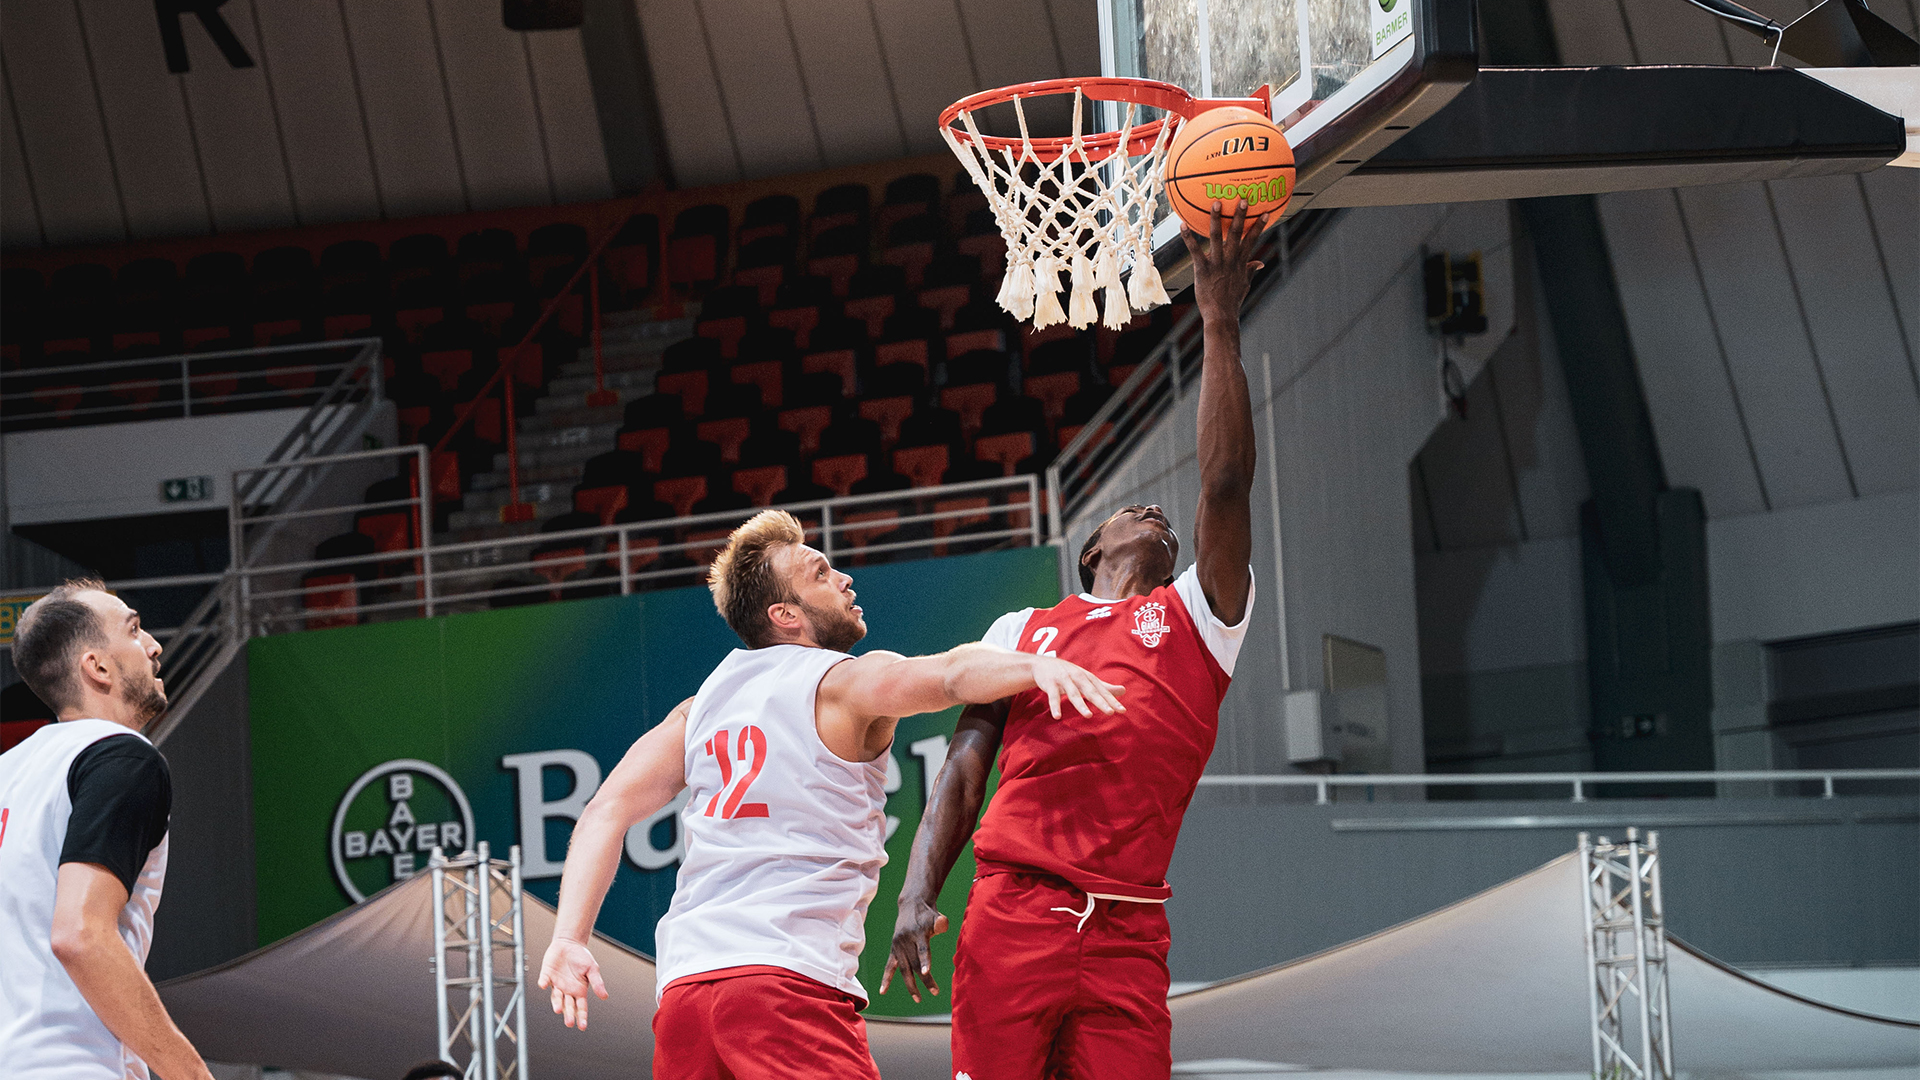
x,y
1225,155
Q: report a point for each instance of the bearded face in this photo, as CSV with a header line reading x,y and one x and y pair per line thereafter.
x,y
140,687
835,627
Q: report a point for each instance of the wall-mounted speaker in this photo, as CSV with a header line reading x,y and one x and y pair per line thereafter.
x,y
542,14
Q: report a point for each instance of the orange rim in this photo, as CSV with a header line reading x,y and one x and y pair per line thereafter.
x,y
1100,145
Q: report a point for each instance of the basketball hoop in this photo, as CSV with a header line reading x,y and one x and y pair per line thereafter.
x,y
1089,203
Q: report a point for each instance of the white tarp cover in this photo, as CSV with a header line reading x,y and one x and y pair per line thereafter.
x,y
1494,983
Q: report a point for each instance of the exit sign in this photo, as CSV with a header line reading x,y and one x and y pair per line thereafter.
x,y
186,489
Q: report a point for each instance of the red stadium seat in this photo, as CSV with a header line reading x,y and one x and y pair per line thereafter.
x,y
447,366
602,502
913,258
200,335
727,332
766,375
836,268
690,385
693,260
413,322
970,340
1006,451
1118,375
708,543
494,317
761,484
946,300
390,530
800,321
971,402
139,337
643,552
924,465
1068,434
443,469
1052,391
329,592
841,362
901,352
990,249
727,434
765,279
559,564
840,473
947,526
807,423
681,492
867,527
873,310
887,412
486,421
412,419
651,443
264,333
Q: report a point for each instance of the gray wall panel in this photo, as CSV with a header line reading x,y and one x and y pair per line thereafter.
x,y
1590,33
575,154
1774,370
1013,41
1867,363
59,115
303,47
1702,436
146,117
931,60
766,94
407,117
241,150
692,111
853,103
492,99
1893,198
19,216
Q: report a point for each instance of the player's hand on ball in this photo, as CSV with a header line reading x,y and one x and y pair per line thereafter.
x,y
1057,678
1224,268
912,952
570,972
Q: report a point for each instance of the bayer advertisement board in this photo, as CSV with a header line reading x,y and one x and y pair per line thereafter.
x,y
372,745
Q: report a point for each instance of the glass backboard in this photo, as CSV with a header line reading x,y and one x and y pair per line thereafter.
x,y
1346,76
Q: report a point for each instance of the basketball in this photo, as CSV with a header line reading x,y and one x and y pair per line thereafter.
x,y
1224,155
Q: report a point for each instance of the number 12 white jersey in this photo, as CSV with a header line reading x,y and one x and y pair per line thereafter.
x,y
784,839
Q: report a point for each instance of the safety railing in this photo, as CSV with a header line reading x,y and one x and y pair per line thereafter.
x,y
1579,785
410,576
340,414
1156,385
172,387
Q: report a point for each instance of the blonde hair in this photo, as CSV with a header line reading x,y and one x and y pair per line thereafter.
x,y
743,579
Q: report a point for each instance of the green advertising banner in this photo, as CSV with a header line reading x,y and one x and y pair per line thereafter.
x,y
373,744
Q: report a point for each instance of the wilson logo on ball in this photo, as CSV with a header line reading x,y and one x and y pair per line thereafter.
x,y
1271,189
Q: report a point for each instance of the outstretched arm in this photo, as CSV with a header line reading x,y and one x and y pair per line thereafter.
x,y
647,778
1223,528
857,695
945,827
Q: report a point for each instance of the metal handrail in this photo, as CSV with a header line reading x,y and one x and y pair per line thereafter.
x,y
1578,781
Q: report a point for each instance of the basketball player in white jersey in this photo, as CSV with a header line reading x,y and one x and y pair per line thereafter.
x,y
782,755
83,851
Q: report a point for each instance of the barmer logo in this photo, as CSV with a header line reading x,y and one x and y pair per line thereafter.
x,y
1272,189
391,819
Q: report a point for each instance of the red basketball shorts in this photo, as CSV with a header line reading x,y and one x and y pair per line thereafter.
x,y
1037,993
760,1024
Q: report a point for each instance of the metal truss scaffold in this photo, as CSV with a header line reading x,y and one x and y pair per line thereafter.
x,y
1626,958
477,915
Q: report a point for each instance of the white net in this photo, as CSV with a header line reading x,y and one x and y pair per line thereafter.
x,y
1092,219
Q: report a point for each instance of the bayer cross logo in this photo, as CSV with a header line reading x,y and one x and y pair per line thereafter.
x,y
389,822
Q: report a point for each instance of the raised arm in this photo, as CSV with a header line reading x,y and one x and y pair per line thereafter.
x,y
87,901
647,778
1223,528
945,827
860,699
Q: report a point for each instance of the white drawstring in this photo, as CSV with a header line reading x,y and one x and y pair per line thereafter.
x,y
1084,915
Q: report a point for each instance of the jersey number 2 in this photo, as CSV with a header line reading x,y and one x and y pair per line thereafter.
x,y
1043,637
732,807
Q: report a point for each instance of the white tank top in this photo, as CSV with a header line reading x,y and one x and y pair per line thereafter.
x,y
784,839
47,1030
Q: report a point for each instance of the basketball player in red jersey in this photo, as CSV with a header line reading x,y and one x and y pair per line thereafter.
x,y
1061,967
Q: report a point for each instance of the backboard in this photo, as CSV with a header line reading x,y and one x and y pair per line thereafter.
x,y
1347,76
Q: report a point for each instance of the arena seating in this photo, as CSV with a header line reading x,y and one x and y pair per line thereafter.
x,y
754,351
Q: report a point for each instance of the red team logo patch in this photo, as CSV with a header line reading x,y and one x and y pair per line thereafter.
x,y
1150,624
